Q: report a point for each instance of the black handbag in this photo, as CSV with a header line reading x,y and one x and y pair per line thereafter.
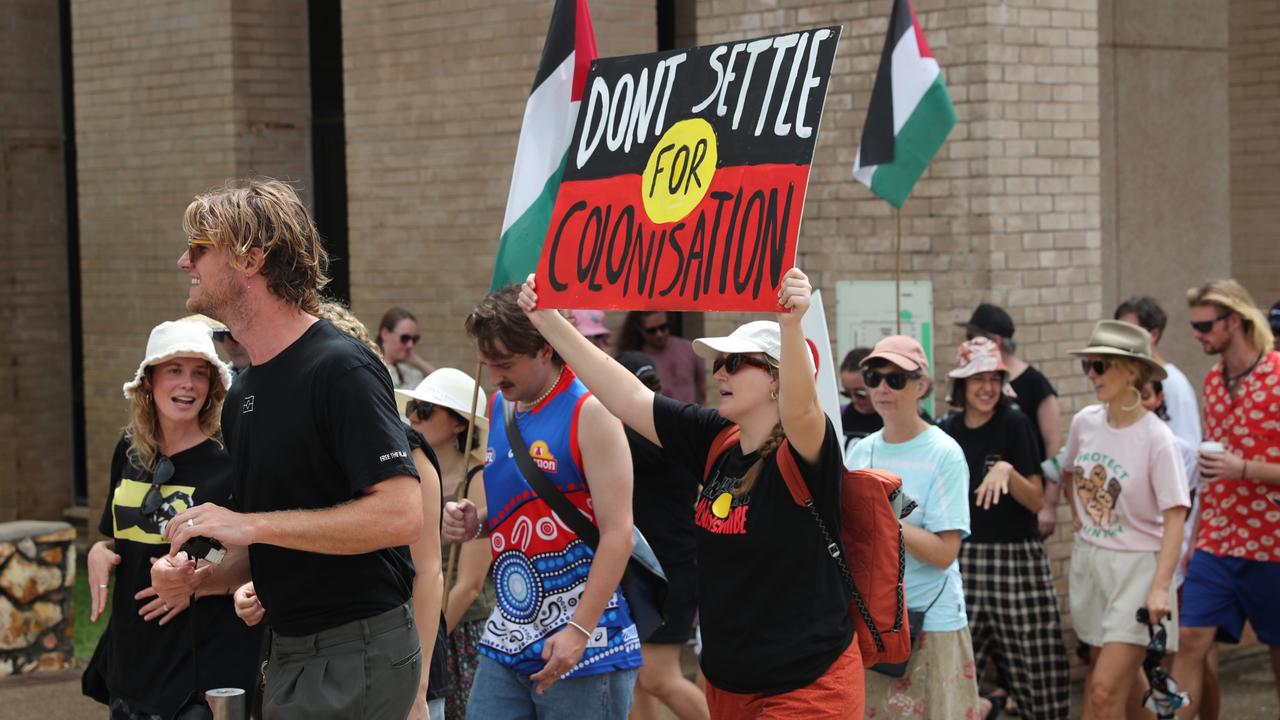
x,y
644,583
915,623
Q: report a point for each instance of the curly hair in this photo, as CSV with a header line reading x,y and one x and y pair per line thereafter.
x,y
499,317
342,318
267,214
143,430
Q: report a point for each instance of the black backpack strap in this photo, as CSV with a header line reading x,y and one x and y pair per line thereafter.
x,y
569,514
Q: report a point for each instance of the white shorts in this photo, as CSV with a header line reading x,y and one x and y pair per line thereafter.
x,y
1107,588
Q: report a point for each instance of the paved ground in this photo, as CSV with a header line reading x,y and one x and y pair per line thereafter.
x,y
1248,694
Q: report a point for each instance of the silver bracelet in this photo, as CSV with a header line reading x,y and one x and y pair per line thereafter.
x,y
580,629
479,529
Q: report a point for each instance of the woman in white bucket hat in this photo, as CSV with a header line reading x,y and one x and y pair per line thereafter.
x,y
777,636
440,408
169,459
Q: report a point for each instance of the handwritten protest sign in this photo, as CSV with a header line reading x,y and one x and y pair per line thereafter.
x,y
687,175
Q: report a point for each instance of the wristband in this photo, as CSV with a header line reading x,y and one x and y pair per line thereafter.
x,y
479,529
580,629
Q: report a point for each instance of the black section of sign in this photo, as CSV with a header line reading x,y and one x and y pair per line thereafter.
x,y
561,39
876,147
763,98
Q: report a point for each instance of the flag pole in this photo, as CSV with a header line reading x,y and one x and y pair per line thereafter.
x,y
897,272
460,492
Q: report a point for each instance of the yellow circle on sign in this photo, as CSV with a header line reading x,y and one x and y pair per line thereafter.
x,y
679,172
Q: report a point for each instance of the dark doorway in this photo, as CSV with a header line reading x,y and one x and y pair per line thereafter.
x,y
79,481
328,140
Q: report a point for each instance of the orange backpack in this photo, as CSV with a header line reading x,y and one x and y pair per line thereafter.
x,y
871,555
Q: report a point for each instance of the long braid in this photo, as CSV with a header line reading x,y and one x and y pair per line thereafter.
x,y
748,480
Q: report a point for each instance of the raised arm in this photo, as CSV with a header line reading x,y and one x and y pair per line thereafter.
x,y
621,393
802,418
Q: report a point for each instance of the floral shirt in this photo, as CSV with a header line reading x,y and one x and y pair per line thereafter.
x,y
1239,517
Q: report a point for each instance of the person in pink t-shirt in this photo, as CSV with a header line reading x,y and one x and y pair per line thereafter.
x,y
683,373
1129,498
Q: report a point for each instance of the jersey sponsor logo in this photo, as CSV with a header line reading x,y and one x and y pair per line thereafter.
x,y
488,457
246,405
542,456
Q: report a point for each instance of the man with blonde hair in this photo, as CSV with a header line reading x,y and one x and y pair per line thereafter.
x,y
1234,574
327,492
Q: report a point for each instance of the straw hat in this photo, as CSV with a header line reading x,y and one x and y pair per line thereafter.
x,y
1116,338
173,339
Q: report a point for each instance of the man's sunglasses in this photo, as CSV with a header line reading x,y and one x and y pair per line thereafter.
x,y
1205,326
896,380
664,327
1099,367
734,362
222,335
154,498
196,247
406,338
420,409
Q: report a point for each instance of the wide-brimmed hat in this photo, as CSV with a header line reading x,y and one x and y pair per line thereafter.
x,y
990,319
900,350
450,388
589,322
980,355
1116,338
174,339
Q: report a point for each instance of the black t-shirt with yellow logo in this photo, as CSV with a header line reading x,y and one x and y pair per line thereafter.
x,y
772,604
152,667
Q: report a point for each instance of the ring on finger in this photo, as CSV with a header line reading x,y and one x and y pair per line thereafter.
x,y
191,523
166,606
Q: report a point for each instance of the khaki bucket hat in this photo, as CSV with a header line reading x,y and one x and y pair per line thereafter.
x,y
1121,339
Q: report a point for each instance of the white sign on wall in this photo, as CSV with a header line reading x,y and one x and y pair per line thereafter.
x,y
866,313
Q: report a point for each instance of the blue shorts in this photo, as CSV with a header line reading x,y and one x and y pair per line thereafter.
x,y
1222,592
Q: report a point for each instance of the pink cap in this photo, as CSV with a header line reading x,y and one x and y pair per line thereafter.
x,y
900,350
589,322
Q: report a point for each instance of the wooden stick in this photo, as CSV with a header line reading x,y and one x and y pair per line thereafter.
x,y
897,272
451,566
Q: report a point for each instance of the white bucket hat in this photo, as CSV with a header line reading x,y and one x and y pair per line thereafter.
x,y
758,336
173,339
451,388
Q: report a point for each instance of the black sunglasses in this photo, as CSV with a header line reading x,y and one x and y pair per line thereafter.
x,y
222,335
664,327
406,338
1099,367
1205,326
419,408
897,380
859,393
733,362
154,498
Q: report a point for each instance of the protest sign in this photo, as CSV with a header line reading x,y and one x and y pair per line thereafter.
x,y
686,177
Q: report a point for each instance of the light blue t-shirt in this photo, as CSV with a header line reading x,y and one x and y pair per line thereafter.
x,y
935,474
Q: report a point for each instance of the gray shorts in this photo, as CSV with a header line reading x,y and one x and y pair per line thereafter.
x,y
365,669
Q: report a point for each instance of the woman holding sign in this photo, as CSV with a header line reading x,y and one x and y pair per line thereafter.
x,y
777,638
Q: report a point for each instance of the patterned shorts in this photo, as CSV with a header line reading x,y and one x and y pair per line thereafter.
x,y
464,655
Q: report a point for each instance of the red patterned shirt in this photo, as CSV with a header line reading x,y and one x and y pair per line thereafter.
x,y
1239,517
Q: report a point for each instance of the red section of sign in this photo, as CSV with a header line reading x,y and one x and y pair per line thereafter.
x,y
729,253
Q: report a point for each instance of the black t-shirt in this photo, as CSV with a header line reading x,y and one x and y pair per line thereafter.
x,y
438,673
773,606
1033,388
662,501
310,429
857,425
151,667
1007,436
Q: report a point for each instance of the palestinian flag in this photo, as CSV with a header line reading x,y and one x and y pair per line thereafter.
x,y
910,114
549,118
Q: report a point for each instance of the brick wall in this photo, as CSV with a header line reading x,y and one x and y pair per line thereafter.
x,y
1254,62
171,99
434,98
35,370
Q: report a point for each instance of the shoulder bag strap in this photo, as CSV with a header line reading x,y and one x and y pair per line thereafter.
x,y
568,513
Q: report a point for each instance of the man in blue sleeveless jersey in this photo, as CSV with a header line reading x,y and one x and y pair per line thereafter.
x,y
561,637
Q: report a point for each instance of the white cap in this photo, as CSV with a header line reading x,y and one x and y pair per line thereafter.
x,y
759,336
451,388
182,338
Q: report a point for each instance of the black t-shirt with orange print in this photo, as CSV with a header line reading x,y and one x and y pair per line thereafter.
x,y
772,604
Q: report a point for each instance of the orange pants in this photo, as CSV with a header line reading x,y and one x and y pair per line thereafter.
x,y
838,693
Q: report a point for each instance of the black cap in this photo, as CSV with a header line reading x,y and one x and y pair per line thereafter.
x,y
990,320
641,366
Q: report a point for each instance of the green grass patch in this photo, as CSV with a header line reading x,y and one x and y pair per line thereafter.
x,y
87,633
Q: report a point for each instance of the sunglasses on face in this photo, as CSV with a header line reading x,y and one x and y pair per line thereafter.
x,y
422,410
734,362
196,247
1099,367
1204,326
896,380
154,498
656,329
406,338
859,393
222,335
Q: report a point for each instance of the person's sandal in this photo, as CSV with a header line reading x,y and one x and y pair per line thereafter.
x,y
997,705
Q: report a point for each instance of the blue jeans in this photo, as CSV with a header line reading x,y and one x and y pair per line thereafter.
x,y
497,692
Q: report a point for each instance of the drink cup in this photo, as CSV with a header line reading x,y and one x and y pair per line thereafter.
x,y
1212,446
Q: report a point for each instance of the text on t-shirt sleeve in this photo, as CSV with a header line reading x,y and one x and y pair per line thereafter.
x,y
369,441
